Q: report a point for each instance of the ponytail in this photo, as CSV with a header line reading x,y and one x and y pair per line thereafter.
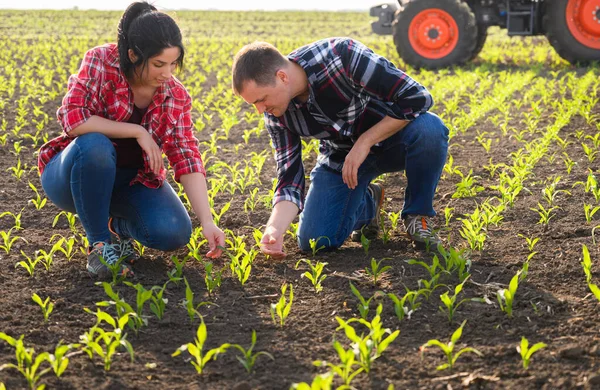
x,y
147,32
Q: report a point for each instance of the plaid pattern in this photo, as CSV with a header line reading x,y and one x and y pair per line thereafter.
x,y
350,89
100,88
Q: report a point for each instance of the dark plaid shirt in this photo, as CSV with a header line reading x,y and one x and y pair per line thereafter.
x,y
350,89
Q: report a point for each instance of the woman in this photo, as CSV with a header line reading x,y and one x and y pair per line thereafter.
x,y
121,112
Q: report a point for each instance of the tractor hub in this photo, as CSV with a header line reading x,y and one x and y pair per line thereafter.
x,y
433,33
583,21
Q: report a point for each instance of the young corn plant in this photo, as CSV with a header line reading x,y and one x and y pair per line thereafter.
x,y
283,307
97,341
241,263
29,265
142,296
376,270
506,297
364,242
363,304
314,244
59,360
248,358
587,264
16,218
400,308
526,352
345,369
122,308
448,348
589,211
46,305
71,220
38,201
455,260
176,274
188,303
196,349
64,245
531,241
212,278
315,275
545,214
157,306
451,304
8,241
368,347
28,364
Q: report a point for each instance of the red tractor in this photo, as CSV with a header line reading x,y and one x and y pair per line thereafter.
x,y
439,33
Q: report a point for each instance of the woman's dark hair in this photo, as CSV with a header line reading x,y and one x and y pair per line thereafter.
x,y
147,32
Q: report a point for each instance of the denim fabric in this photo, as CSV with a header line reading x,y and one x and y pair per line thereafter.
x,y
84,179
332,210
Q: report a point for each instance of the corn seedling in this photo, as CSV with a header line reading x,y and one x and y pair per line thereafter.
x,y
550,192
376,270
586,263
105,343
123,308
363,304
315,275
8,241
467,187
451,304
569,164
38,202
195,349
345,369
455,260
46,258
28,364
29,265
376,331
118,274
59,360
448,349
530,241
212,278
590,153
188,302
314,244
46,306
526,352
16,218
432,269
283,307
70,217
142,296
400,308
544,214
241,263
506,297
64,245
157,306
248,358
176,274
293,231
589,212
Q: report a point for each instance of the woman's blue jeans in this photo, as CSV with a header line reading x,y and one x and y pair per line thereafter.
x,y
333,210
84,179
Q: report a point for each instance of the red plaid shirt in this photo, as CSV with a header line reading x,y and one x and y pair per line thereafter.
x,y
101,89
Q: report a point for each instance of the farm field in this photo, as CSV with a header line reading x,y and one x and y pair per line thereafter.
x,y
517,203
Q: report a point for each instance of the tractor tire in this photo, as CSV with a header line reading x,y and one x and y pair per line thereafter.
x,y
573,29
481,37
434,34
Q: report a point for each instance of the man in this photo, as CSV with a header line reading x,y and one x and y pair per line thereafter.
x,y
370,118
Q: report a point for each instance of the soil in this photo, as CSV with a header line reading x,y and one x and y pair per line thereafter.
x,y
553,304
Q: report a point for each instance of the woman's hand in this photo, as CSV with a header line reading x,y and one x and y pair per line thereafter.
x,y
216,239
151,149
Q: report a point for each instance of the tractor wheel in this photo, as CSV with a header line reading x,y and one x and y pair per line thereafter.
x,y
481,37
435,33
573,29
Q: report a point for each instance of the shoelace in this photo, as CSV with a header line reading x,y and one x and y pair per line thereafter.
x,y
126,247
415,225
109,252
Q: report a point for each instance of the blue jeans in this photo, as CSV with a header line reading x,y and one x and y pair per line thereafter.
x,y
333,210
84,179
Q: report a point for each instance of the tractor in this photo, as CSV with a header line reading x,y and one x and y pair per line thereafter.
x,y
439,33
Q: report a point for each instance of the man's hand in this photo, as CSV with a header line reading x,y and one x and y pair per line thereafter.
x,y
353,161
216,239
272,244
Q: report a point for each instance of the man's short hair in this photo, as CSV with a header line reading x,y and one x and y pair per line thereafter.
x,y
258,62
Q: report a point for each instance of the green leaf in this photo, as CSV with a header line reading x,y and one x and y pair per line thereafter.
x,y
457,333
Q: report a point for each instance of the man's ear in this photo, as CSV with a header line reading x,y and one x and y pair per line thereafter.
x,y
283,76
132,57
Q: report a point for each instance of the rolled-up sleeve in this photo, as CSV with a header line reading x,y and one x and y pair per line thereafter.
x,y
82,98
288,156
181,146
377,77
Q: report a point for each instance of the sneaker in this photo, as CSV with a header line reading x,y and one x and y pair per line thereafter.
x,y
372,229
110,254
419,230
125,245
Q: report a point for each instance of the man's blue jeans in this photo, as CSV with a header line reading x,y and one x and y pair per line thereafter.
x,y
333,210
84,179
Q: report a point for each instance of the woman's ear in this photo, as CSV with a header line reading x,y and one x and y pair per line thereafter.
x,y
132,57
